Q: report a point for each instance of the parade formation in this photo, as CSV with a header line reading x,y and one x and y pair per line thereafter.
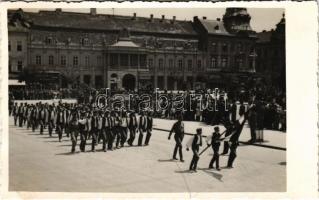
x,y
115,127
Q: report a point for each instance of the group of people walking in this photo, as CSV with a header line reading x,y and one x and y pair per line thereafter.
x,y
78,121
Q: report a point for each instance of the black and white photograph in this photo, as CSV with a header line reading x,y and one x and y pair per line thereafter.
x,y
147,100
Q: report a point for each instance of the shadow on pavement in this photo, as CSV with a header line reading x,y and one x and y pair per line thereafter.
x,y
167,160
67,153
213,174
184,171
58,141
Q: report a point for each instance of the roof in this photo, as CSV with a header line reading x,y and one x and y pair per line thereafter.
x,y
74,20
214,27
264,36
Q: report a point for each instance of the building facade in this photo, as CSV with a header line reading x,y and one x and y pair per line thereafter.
x,y
271,60
131,52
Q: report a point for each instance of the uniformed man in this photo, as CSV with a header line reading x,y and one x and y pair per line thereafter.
x,y
52,118
132,128
60,122
15,113
178,129
94,131
124,127
74,129
82,129
142,128
197,142
149,127
112,131
106,128
117,129
215,143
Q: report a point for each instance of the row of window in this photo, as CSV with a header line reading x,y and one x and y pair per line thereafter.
x,y
180,64
63,60
18,45
225,47
50,41
123,60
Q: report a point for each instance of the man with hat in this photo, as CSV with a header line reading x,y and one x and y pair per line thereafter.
x,y
197,141
178,129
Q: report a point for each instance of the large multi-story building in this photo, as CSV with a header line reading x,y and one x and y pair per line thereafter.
x,y
271,59
129,51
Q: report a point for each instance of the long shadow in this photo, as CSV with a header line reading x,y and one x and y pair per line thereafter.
x,y
167,160
65,145
67,153
213,174
58,141
186,171
34,134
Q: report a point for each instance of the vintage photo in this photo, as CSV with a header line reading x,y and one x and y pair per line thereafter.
x,y
147,100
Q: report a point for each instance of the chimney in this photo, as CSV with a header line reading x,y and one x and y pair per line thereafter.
x,y
93,11
204,17
151,17
58,10
163,18
134,16
218,19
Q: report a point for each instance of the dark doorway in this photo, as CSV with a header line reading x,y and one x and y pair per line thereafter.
x,y
128,82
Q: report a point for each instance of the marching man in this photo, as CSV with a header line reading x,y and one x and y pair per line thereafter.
x,y
195,144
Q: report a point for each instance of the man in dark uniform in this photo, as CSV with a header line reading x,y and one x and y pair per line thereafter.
x,y
82,129
178,129
60,122
74,129
94,132
228,126
51,123
149,127
106,128
112,131
132,126
215,142
142,128
197,141
101,129
15,113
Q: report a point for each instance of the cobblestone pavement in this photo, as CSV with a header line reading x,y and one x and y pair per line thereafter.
x,y
40,163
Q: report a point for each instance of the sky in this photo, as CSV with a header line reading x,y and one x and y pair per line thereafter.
x,y
261,18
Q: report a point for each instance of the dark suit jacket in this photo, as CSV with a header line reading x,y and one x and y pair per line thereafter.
x,y
132,124
195,143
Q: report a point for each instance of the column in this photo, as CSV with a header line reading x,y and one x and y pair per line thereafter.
x,y
165,72
155,71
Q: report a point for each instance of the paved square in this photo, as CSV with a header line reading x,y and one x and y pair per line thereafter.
x,y
40,163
